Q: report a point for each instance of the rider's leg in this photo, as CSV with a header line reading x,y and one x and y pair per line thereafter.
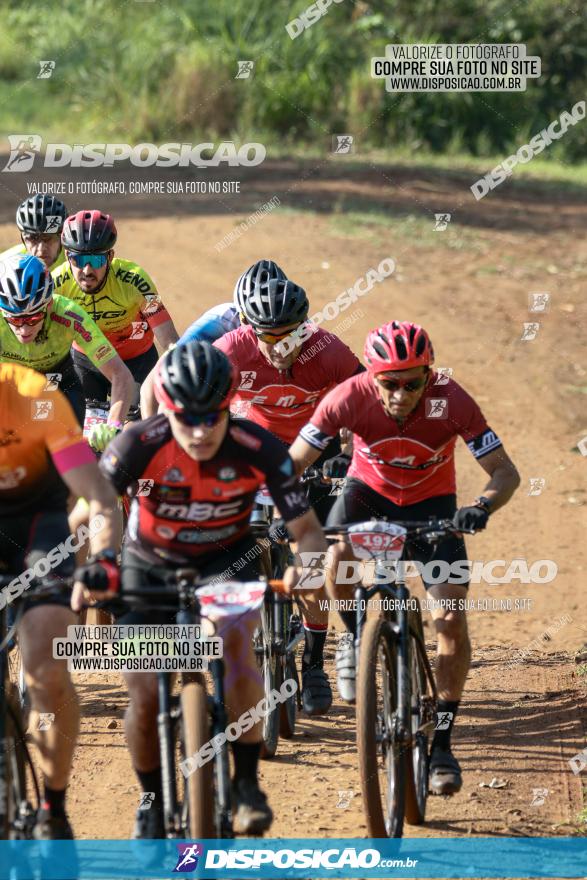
x,y
54,716
49,685
453,655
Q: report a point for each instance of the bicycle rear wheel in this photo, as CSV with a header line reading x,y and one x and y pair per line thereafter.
x,y
288,709
417,758
199,797
382,762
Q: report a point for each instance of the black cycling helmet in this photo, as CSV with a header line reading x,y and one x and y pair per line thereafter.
x,y
256,278
280,303
40,211
89,232
196,377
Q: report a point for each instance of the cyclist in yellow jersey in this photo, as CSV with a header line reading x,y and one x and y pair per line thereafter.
x,y
43,457
38,328
40,220
118,294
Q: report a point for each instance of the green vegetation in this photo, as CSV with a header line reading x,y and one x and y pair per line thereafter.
x,y
161,72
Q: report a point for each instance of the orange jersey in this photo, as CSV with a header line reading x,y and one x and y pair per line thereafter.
x,y
39,440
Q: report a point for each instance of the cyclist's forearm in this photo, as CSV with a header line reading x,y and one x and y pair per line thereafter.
x,y
500,488
122,391
303,455
149,404
107,537
165,334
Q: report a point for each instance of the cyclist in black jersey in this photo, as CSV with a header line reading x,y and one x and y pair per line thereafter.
x,y
204,470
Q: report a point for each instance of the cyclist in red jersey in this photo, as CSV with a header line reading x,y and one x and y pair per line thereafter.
x,y
204,470
405,427
280,391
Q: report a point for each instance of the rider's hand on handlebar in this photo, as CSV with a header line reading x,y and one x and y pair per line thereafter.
x,y
100,436
471,518
98,579
336,468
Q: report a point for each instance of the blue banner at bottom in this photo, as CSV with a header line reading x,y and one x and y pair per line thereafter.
x,y
506,857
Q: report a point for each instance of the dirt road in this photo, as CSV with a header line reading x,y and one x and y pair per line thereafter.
x,y
469,286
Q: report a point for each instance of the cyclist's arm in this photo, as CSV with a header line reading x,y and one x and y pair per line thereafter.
x,y
292,501
78,469
307,533
123,388
86,481
104,357
504,475
303,455
158,318
165,333
149,405
487,448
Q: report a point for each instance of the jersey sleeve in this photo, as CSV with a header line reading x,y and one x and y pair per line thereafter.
x,y
126,457
152,308
228,343
89,337
284,486
330,415
63,436
212,325
473,427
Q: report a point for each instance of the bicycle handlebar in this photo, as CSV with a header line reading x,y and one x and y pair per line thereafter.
x,y
432,528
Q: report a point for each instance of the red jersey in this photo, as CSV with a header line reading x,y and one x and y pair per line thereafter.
x,y
184,508
283,400
409,461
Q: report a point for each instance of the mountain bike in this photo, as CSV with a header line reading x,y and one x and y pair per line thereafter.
x,y
196,805
396,691
281,631
17,814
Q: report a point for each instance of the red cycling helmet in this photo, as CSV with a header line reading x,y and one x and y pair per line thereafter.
x,y
89,232
399,345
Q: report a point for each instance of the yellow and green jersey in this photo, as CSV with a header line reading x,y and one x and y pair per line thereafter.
x,y
20,249
126,309
65,324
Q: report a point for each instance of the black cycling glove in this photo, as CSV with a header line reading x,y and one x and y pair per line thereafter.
x,y
336,468
100,572
471,518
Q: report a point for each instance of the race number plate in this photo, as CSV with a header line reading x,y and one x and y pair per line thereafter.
x,y
231,598
263,496
377,540
95,415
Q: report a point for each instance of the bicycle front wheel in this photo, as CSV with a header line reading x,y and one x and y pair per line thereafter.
x,y
272,678
14,801
417,758
199,818
382,762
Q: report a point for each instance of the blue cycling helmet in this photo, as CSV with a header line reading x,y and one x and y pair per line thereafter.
x,y
26,286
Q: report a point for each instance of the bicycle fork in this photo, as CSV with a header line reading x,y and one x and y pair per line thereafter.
x,y
221,765
165,725
404,697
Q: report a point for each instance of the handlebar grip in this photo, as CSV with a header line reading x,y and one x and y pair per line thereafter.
x,y
277,586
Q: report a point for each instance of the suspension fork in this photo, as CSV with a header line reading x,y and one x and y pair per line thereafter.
x,y
165,725
404,717
219,725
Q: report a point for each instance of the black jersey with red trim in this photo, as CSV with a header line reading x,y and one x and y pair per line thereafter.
x,y
183,508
